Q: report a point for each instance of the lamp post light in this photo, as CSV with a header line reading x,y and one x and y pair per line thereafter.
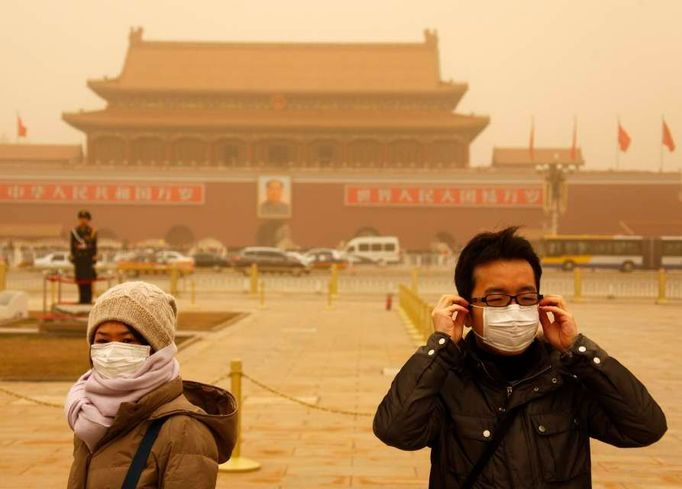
x,y
555,189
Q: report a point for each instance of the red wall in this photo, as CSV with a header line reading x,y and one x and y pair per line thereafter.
x,y
320,217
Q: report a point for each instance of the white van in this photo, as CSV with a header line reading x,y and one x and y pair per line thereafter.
x,y
381,249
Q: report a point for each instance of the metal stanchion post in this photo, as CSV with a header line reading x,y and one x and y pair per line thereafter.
x,y
577,284
662,286
3,275
254,279
95,292
173,279
44,293
237,463
330,295
335,279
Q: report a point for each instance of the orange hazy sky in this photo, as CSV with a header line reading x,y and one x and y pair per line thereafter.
x,y
596,60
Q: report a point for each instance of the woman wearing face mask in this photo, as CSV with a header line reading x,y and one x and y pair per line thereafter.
x,y
133,405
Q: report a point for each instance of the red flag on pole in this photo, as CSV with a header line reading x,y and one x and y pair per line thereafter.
x,y
668,141
21,128
531,141
574,143
623,139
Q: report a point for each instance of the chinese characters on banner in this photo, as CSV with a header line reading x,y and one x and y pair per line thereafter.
x,y
45,192
444,196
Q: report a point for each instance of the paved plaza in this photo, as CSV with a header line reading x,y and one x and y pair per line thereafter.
x,y
342,358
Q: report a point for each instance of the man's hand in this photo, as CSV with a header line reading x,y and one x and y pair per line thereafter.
x,y
448,316
560,332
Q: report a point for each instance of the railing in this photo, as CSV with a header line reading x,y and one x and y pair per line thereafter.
x,y
417,311
581,284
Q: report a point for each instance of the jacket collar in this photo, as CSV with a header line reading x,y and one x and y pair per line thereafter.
x,y
543,376
130,414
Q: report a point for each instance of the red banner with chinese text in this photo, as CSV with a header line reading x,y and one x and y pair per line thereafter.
x,y
444,196
46,192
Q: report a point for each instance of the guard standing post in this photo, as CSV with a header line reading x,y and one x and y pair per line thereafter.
x,y
84,256
237,463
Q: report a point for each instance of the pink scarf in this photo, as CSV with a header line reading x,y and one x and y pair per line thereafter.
x,y
93,401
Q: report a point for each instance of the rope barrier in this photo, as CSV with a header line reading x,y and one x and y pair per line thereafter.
x,y
30,399
293,399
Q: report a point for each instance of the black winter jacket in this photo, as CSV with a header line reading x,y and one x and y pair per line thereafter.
x,y
446,398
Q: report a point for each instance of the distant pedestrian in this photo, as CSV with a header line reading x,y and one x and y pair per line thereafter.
x,y
502,408
133,417
84,256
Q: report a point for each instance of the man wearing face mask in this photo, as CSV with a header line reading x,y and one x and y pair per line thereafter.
x,y
136,422
501,407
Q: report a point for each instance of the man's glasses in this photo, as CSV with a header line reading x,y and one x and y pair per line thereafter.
x,y
503,300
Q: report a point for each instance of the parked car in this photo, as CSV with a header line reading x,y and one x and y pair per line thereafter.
x,y
325,258
54,261
268,260
204,259
174,257
382,249
300,256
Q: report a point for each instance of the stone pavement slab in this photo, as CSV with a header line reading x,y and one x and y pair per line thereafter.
x,y
337,358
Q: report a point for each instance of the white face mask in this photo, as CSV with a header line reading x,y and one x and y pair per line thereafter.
x,y
114,359
510,329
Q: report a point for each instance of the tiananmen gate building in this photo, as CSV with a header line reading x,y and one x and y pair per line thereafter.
x,y
304,145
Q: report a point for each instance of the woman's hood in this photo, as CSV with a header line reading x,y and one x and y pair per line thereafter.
x,y
213,406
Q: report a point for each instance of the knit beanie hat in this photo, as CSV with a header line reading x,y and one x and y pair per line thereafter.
x,y
140,305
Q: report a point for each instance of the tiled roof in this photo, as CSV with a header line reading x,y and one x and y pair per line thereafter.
x,y
323,119
279,67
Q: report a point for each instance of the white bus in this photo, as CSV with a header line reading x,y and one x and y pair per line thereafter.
x,y
381,249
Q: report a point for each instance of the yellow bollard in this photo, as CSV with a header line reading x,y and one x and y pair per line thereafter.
x,y
577,284
53,292
254,279
662,286
95,292
415,280
330,295
261,293
173,280
428,324
335,279
237,463
194,292
3,275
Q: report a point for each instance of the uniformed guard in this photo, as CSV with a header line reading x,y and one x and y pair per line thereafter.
x,y
84,256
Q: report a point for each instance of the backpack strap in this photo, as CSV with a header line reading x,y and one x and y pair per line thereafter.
x,y
500,430
142,454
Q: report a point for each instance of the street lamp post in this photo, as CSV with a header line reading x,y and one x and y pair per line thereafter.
x,y
555,184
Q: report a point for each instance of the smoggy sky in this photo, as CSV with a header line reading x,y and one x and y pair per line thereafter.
x,y
595,60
